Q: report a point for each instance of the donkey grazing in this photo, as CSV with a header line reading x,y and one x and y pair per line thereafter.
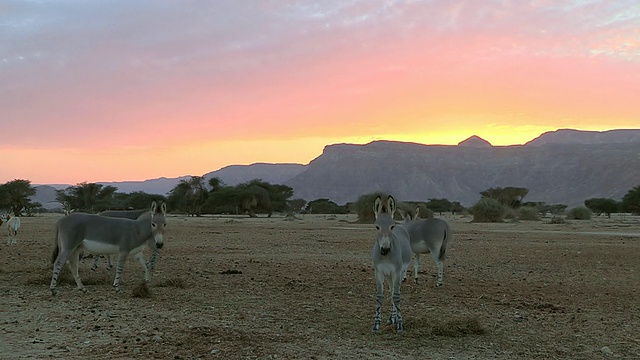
x,y
391,255
104,235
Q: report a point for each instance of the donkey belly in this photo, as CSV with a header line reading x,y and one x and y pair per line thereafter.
x,y
420,247
100,248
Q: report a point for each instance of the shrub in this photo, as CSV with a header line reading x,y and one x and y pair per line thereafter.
x,y
528,213
488,210
364,206
579,213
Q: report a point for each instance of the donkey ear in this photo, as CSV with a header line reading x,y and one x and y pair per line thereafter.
x,y
154,207
376,206
391,205
163,208
417,212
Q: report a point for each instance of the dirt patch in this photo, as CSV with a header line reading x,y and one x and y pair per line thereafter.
x,y
305,289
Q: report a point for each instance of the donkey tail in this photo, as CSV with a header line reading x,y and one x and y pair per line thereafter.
x,y
445,242
56,249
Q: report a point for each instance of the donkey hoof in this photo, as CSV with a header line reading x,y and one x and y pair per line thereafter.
x,y
54,292
376,327
439,285
399,327
83,289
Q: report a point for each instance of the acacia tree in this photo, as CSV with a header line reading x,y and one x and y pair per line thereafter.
x,y
602,205
15,196
87,197
508,196
631,201
189,196
439,205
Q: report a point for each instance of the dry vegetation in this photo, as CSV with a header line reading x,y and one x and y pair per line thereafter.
x,y
268,288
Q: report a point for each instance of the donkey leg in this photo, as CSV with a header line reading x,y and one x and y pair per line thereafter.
x,y
396,304
392,313
379,300
154,257
440,267
147,272
416,267
122,257
57,266
96,261
109,262
73,265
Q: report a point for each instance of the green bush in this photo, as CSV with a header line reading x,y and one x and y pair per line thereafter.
x,y
364,207
528,213
510,213
579,213
488,210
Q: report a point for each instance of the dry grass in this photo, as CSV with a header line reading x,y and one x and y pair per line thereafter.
x,y
141,291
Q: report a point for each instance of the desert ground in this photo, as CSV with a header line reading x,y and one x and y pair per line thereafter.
x,y
269,288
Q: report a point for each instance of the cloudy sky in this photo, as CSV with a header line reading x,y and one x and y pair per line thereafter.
x,y
132,90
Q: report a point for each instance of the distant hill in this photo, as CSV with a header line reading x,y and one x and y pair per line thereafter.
x,y
564,166
554,172
272,173
46,195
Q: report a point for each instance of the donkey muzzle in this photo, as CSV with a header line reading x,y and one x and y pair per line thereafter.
x,y
384,250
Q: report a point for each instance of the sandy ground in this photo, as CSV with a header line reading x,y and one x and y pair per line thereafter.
x,y
240,288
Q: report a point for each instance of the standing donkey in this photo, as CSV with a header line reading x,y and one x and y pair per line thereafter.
x,y
13,225
127,214
430,235
391,255
105,235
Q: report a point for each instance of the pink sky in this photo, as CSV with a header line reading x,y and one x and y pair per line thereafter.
x,y
93,91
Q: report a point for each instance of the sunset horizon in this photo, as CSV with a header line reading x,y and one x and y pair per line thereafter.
x,y
173,176
136,91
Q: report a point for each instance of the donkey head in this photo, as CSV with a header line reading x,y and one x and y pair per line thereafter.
x,y
158,223
384,223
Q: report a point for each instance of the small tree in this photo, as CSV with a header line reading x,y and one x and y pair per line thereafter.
x,y
15,196
631,201
579,213
488,210
364,206
87,197
508,196
439,205
602,205
528,213
324,206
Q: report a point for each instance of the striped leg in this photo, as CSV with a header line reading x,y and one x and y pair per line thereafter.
x,y
154,257
440,266
379,300
96,261
57,266
396,306
122,257
73,265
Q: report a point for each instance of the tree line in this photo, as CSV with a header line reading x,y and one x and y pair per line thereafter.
x,y
195,196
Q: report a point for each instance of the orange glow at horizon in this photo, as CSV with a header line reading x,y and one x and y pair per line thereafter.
x,y
192,90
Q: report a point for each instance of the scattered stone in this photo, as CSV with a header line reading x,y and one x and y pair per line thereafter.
x,y
230,272
605,350
157,338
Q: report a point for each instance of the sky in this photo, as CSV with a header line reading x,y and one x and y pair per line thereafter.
x,y
94,91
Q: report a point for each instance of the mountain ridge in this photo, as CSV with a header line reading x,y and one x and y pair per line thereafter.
x,y
557,167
